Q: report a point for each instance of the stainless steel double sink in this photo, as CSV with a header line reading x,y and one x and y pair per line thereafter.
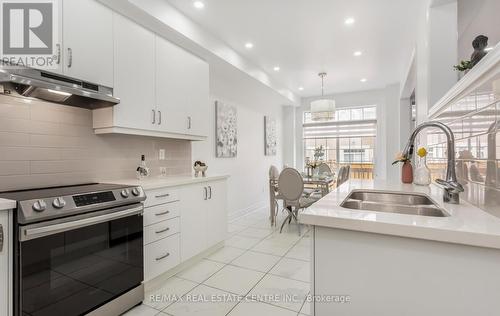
x,y
393,202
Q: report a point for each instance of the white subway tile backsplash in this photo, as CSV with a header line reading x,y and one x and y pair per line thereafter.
x,y
14,125
14,108
14,139
475,123
8,168
44,144
29,153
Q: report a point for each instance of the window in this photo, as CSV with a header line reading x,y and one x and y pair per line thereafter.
x,y
348,139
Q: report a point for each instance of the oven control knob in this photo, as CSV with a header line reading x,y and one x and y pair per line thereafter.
x,y
136,191
124,193
59,202
39,206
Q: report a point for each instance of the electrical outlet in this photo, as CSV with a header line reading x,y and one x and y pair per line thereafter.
x,y
161,155
163,171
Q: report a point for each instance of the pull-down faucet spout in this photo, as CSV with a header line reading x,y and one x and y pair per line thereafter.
x,y
451,186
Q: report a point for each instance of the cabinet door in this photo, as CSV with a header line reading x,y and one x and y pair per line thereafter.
x,y
4,265
216,224
171,86
88,41
198,98
134,72
194,201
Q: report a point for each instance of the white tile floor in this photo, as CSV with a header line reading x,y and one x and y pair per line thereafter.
x,y
251,275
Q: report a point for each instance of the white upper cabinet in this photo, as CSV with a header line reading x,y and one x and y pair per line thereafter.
x,y
171,86
198,97
134,72
163,89
87,45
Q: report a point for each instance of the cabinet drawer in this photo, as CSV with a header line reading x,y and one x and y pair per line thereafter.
x,y
161,230
161,256
158,213
160,196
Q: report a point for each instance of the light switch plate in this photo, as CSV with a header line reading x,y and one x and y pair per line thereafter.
x,y
161,155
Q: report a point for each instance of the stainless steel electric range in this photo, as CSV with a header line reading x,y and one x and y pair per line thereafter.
x,y
78,250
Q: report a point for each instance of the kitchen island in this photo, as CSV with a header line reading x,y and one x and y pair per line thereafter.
x,y
362,260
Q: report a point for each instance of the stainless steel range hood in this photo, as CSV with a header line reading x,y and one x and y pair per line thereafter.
x,y
48,86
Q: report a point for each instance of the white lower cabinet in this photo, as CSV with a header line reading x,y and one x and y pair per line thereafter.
x,y
161,256
216,214
182,222
4,264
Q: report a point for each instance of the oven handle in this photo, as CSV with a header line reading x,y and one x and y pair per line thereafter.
x,y
33,233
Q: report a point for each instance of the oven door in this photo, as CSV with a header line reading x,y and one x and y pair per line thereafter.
x,y
74,265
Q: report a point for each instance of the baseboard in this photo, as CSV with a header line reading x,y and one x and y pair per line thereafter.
x,y
159,281
236,214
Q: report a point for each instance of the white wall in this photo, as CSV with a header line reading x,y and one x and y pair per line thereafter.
x,y
388,111
477,17
442,49
247,185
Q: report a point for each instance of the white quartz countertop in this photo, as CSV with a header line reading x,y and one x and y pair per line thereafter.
x,y
163,182
7,204
466,224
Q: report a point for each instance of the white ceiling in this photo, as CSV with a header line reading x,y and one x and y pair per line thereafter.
x,y
305,37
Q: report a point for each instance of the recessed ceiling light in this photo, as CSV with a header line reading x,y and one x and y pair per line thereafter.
x,y
198,5
358,53
276,68
249,45
363,80
301,88
488,49
349,21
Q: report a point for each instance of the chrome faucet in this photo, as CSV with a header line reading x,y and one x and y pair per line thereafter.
x,y
451,186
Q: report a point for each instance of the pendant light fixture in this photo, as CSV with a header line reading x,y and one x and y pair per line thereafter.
x,y
322,109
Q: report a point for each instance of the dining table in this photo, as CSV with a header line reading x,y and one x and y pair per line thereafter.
x,y
322,182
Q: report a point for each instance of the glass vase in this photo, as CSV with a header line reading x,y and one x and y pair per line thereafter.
x,y
422,174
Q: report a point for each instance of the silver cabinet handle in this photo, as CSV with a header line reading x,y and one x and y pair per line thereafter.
x,y
162,195
70,57
162,230
206,193
159,117
189,122
1,238
162,213
58,54
210,190
154,117
163,257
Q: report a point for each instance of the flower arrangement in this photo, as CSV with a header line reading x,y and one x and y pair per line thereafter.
x,y
313,164
400,158
319,153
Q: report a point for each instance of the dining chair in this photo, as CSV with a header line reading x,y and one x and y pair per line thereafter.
x,y
324,168
274,195
291,188
340,177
